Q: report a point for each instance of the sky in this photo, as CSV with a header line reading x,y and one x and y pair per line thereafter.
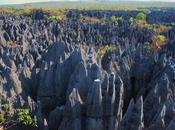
x,y
29,1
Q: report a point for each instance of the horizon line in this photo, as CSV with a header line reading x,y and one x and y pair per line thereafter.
x,y
89,1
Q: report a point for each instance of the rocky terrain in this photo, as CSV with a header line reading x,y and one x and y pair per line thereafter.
x,y
79,74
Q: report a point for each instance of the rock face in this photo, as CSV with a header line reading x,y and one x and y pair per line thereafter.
x,y
133,118
56,68
72,112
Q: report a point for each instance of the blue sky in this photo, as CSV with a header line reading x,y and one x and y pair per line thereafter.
x,y
28,1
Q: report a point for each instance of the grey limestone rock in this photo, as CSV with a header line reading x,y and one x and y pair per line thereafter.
x,y
57,69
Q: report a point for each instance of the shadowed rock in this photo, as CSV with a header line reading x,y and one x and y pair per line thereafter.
x,y
133,118
72,112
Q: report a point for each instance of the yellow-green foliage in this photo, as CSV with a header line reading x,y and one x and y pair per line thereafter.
x,y
5,106
18,116
20,9
1,118
158,41
140,21
5,117
16,11
115,19
102,50
8,10
53,17
147,26
53,14
161,38
24,117
143,24
141,16
92,6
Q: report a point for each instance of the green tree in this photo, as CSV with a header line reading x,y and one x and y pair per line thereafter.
x,y
141,16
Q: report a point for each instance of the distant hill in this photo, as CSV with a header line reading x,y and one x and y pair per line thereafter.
x,y
104,2
90,4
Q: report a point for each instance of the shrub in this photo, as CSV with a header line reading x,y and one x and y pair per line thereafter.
x,y
158,41
115,19
147,26
141,16
143,24
1,118
53,14
24,117
161,38
5,106
21,116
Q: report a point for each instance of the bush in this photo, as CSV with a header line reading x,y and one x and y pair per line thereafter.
x,y
24,117
158,41
115,19
147,26
5,106
1,118
161,38
141,16
20,116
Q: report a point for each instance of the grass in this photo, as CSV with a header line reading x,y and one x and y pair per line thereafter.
x,y
50,13
89,5
56,11
14,9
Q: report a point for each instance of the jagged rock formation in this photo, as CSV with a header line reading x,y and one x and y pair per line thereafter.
x,y
55,68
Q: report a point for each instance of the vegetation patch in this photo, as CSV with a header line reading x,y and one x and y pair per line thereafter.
x,y
16,116
102,50
158,41
5,106
91,20
24,117
144,24
115,19
51,14
141,16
